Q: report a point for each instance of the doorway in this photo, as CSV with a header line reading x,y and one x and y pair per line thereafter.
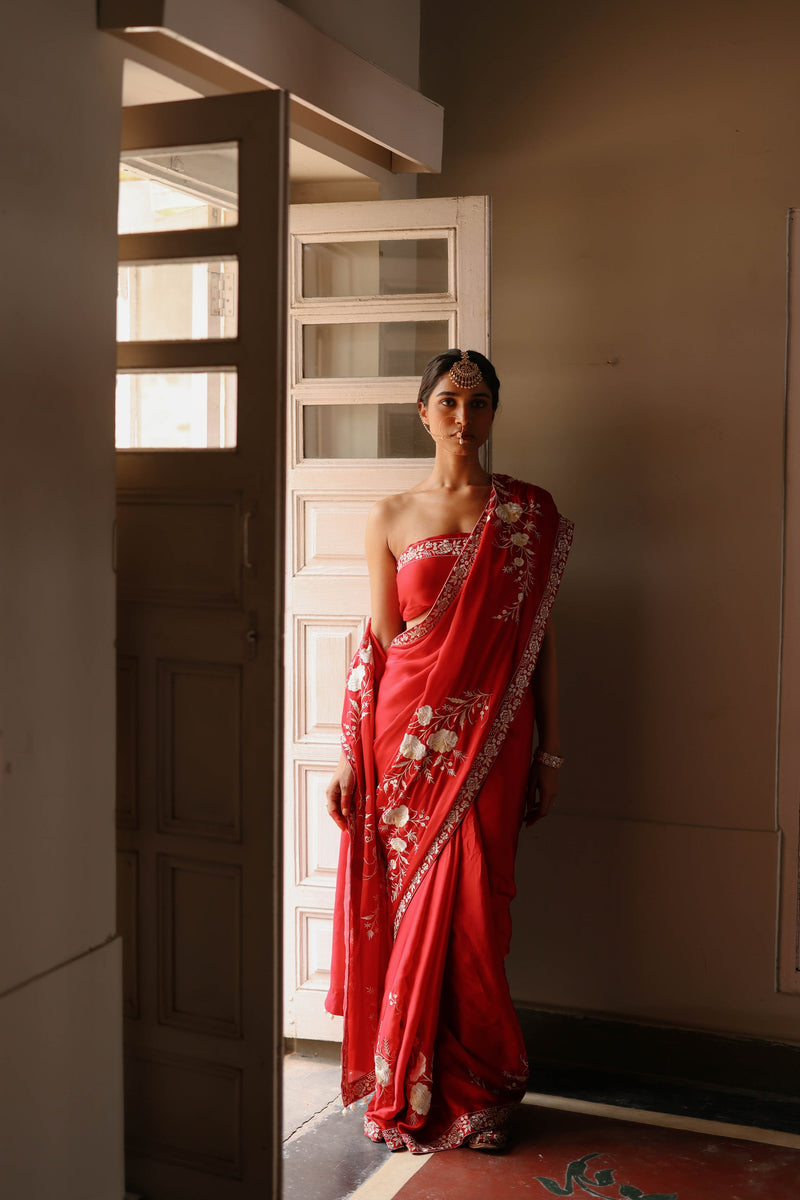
x,y
195,645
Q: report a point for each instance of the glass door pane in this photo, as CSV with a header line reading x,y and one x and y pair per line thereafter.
x,y
371,349
405,267
182,187
365,431
176,410
174,301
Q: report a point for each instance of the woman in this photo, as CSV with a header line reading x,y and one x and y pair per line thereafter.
x,y
436,779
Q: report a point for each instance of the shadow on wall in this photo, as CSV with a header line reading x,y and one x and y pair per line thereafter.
x,y
578,930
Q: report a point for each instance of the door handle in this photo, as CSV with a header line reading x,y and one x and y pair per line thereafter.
x,y
251,637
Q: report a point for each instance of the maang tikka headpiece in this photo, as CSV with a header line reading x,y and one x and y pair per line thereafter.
x,y
465,373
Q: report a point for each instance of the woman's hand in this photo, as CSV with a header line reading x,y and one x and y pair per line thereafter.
x,y
339,793
542,792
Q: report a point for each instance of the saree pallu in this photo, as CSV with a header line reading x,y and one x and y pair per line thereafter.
x,y
438,733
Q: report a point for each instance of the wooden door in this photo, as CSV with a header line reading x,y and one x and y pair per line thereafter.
x,y
375,290
200,472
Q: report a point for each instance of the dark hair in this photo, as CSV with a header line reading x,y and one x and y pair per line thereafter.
x,y
441,364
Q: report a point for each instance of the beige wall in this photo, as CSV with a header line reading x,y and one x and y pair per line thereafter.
x,y
641,160
60,1016
384,32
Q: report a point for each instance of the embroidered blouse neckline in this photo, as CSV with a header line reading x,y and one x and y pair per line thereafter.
x,y
434,537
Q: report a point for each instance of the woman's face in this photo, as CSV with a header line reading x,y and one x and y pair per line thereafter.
x,y
458,418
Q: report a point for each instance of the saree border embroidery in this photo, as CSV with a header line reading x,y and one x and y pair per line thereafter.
x,y
496,1117
508,709
439,547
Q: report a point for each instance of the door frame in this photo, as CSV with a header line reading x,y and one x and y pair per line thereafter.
x,y
216,616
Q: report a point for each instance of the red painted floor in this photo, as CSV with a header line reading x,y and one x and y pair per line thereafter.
x,y
571,1154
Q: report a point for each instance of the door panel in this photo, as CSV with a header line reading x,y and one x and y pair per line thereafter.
x,y
377,288
199,560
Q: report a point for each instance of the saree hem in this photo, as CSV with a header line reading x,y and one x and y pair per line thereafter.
x,y
464,1126
362,1087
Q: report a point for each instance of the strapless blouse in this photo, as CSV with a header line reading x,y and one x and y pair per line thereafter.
x,y
422,569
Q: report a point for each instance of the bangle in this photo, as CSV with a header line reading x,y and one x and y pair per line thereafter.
x,y
547,760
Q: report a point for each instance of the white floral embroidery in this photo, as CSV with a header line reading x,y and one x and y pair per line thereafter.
x,y
419,1094
371,924
396,816
510,512
412,748
437,753
355,679
521,545
383,1072
398,849
442,740
449,545
420,1098
358,695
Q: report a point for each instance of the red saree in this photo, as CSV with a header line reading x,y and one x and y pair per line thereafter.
x,y
438,732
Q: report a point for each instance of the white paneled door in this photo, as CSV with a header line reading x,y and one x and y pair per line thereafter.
x,y
376,289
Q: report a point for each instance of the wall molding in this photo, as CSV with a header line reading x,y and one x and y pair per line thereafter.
x,y
789,712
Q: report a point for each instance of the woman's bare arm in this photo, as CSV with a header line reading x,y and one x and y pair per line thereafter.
x,y
384,605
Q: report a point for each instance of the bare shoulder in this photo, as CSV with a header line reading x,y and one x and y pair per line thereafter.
x,y
386,512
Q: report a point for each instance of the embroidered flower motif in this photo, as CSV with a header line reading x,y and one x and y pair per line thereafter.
x,y
396,816
442,740
398,848
371,924
509,513
355,679
430,746
420,1098
521,546
365,653
383,1072
411,747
